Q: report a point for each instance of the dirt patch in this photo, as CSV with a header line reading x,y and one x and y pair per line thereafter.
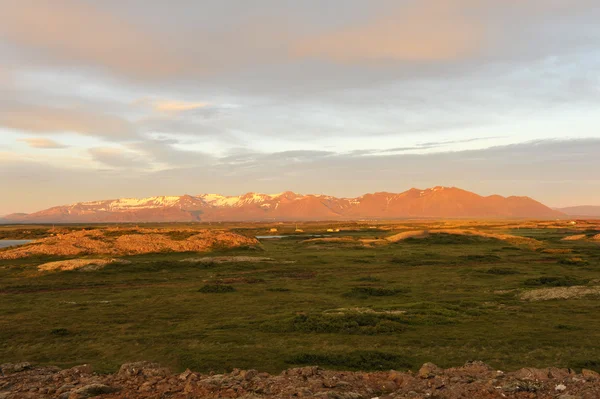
x,y
546,294
78,264
141,241
596,237
229,259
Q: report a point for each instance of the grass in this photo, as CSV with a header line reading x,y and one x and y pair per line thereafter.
x,y
443,299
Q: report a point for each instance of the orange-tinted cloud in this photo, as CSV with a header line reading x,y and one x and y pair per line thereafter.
x,y
426,30
42,119
78,32
171,106
42,142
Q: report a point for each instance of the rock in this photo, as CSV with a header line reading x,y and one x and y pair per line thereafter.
x,y
91,390
77,371
428,370
250,374
147,369
559,374
590,374
65,388
532,374
10,368
184,376
560,388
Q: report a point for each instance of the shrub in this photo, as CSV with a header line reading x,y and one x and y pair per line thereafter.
x,y
564,281
481,258
340,323
278,289
216,289
357,360
368,279
364,292
500,271
60,332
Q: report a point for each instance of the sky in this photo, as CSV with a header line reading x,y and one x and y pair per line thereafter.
x,y
103,99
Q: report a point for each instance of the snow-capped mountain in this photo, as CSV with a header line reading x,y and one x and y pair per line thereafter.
x,y
437,202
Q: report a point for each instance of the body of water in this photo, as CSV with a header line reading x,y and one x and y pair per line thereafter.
x,y
13,243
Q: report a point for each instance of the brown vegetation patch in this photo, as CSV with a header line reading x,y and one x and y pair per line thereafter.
x,y
142,241
557,251
545,294
78,264
576,237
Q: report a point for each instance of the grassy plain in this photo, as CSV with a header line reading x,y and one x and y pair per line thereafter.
x,y
445,299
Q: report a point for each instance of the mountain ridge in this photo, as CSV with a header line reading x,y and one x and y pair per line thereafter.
x,y
581,210
435,202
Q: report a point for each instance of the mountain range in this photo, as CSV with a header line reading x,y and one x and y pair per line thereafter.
x,y
436,202
589,211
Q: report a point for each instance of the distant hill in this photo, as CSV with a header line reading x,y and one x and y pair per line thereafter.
x,y
583,210
437,202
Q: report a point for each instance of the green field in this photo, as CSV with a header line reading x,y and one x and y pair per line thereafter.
x,y
445,299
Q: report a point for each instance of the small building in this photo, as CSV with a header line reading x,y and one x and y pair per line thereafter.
x,y
273,230
330,230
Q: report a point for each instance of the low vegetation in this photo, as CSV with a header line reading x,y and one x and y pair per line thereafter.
x,y
443,298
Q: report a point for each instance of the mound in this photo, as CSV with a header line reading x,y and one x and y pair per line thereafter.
x,y
576,237
117,242
407,234
516,240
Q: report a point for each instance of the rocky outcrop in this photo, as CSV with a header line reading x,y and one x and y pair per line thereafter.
x,y
119,242
149,380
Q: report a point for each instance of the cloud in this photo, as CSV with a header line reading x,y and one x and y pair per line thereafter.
x,y
46,119
40,142
117,158
171,106
163,151
78,32
422,31
562,172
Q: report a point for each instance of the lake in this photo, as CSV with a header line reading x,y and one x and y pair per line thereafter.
x,y
13,243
